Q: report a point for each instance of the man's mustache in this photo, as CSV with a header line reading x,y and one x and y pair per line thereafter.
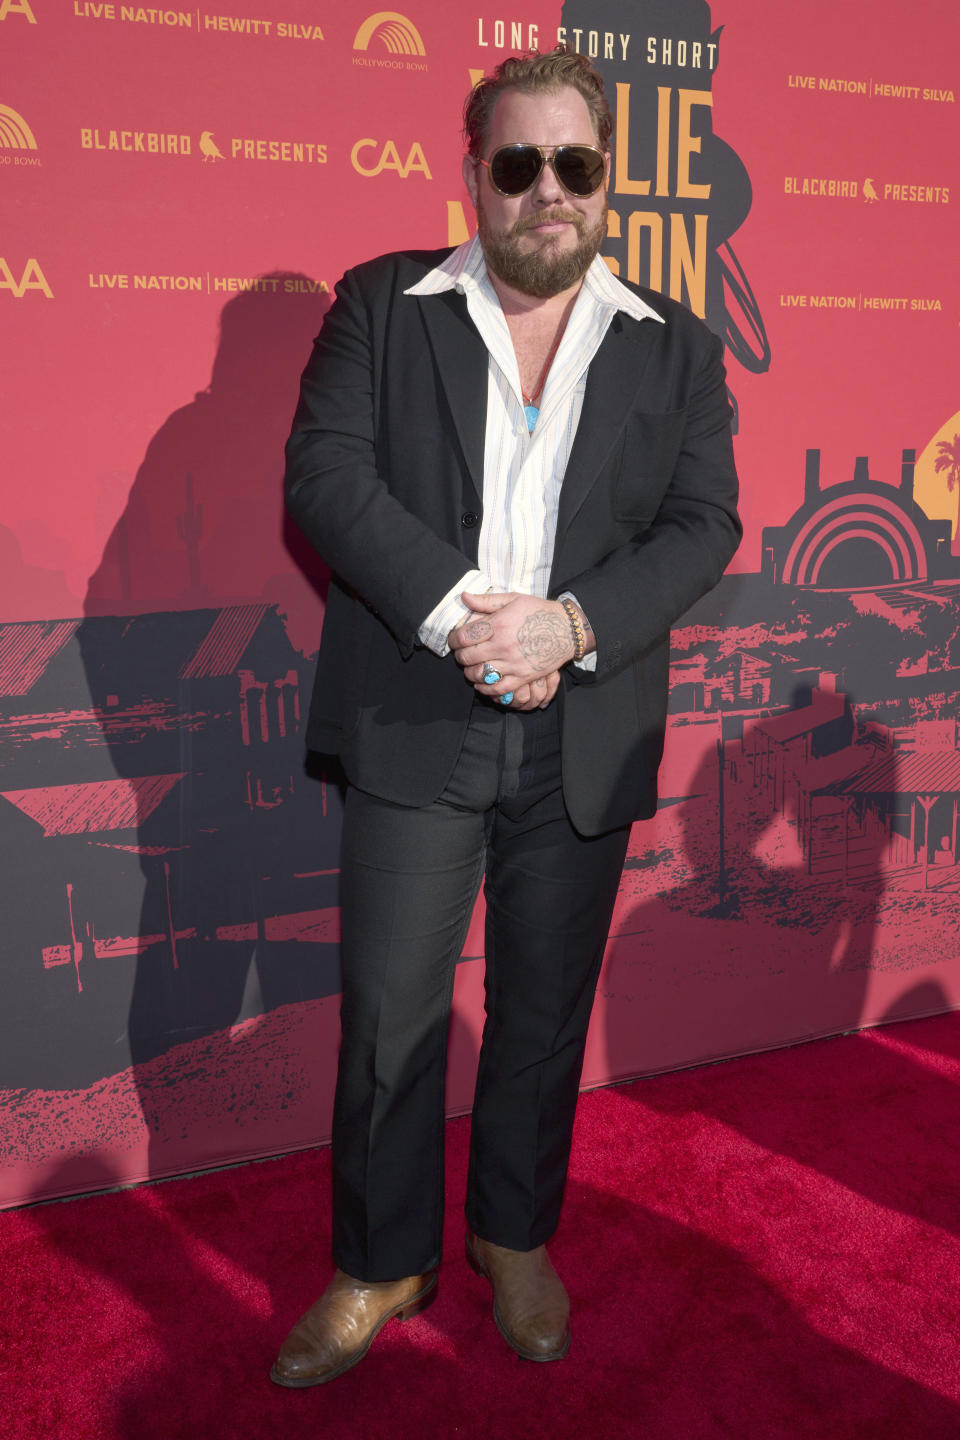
x,y
554,216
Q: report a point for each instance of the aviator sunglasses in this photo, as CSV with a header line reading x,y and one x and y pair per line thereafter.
x,y
514,169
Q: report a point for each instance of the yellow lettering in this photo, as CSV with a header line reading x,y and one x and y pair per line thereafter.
x,y
457,229
354,157
650,221
17,7
32,278
687,268
688,145
416,160
613,232
624,185
663,139
389,159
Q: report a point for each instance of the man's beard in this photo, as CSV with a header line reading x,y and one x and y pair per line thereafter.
x,y
547,270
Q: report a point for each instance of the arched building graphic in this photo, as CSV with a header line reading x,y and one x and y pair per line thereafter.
x,y
858,535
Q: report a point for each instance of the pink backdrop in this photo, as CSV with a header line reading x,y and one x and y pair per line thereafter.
x,y
182,190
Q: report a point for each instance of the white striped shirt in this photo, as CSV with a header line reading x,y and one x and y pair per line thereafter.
x,y
522,471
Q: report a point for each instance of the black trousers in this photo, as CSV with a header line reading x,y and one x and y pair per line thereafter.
x,y
409,881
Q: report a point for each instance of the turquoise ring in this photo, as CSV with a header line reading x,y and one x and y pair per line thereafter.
x,y
490,675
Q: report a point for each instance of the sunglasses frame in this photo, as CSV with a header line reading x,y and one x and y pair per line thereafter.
x,y
544,160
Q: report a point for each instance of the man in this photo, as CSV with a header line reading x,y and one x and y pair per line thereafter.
x,y
520,472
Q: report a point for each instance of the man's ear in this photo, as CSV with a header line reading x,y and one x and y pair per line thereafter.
x,y
470,172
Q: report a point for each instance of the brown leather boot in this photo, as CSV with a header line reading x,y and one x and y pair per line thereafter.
x,y
530,1305
339,1329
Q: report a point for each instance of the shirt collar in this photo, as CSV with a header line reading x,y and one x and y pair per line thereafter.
x,y
606,289
464,269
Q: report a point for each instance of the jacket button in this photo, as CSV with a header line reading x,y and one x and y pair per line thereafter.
x,y
469,518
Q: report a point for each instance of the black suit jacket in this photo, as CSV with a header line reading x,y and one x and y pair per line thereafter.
x,y
385,477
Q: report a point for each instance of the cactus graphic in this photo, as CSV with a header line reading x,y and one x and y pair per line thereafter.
x,y
190,529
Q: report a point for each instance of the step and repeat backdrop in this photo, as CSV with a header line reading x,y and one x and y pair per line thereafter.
x,y
181,190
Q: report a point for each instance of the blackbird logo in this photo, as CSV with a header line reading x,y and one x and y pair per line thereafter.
x,y
208,147
869,193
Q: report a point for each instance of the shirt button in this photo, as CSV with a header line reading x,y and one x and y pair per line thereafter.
x,y
469,518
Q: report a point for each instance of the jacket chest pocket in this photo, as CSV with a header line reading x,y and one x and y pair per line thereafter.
x,y
651,448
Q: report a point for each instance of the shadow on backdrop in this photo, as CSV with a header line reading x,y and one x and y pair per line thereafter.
x,y
760,926
200,861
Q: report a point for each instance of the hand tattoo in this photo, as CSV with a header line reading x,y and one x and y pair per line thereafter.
x,y
545,639
476,630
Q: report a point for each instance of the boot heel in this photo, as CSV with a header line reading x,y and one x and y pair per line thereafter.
x,y
420,1302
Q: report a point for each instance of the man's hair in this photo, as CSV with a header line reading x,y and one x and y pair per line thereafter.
x,y
536,74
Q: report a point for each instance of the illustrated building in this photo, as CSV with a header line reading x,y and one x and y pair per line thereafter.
x,y
168,862
859,795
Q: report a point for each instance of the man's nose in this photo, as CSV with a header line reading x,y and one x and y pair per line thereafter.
x,y
547,190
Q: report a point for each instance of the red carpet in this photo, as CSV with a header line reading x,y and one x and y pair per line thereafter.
x,y
766,1248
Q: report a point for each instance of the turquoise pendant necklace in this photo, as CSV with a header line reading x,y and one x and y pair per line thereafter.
x,y
530,406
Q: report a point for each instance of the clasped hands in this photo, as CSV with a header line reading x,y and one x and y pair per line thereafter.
x,y
525,639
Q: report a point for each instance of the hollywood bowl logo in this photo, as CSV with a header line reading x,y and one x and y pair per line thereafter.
x,y
397,34
15,133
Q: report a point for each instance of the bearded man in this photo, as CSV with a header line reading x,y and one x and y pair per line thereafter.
x,y
519,470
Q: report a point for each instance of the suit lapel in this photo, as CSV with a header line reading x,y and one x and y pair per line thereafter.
x,y
461,360
616,374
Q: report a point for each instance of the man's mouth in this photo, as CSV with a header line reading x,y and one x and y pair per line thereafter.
x,y
549,220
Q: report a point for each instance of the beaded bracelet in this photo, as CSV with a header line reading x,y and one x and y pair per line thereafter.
x,y
579,639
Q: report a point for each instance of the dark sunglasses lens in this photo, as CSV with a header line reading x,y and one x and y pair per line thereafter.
x,y
514,169
579,169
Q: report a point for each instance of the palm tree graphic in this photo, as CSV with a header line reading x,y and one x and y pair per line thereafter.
x,y
949,460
